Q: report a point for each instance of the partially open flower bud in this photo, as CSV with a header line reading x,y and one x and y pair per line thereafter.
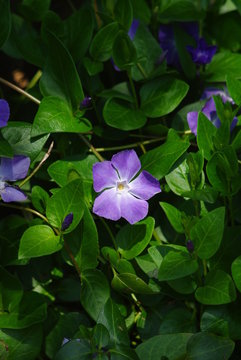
x,y
67,221
190,246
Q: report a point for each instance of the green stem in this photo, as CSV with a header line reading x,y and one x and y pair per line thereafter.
x,y
146,142
142,70
133,88
204,267
230,205
91,147
156,237
34,80
109,232
39,165
18,89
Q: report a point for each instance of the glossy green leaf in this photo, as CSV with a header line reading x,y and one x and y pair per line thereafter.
x,y
34,10
122,115
18,134
60,77
112,319
37,241
161,96
11,291
101,46
161,346
55,115
69,199
160,160
39,198
174,216
95,292
223,64
132,240
74,350
206,131
177,265
207,233
236,272
124,13
5,149
124,52
5,21
185,285
218,289
179,10
234,88
130,283
205,346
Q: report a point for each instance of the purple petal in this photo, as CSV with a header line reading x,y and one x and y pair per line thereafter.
x,y
10,193
190,246
209,108
114,65
67,221
144,186
234,123
86,102
192,118
133,29
209,92
127,164
104,176
4,113
107,205
133,209
191,28
15,168
168,44
203,53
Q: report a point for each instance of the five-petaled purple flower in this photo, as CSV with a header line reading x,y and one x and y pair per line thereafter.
x,y
203,53
209,109
12,170
4,113
123,194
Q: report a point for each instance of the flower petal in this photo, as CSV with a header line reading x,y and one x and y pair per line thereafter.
x,y
144,186
133,29
192,118
15,168
127,164
10,193
104,176
209,108
107,205
133,209
4,113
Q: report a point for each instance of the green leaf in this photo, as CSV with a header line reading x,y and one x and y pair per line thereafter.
x,y
236,272
111,318
5,21
123,353
218,289
160,160
223,64
177,265
161,96
124,52
101,336
55,115
133,239
5,149
34,10
11,291
37,241
179,179
95,292
161,346
207,233
22,344
101,46
179,10
122,115
205,346
69,199
130,283
174,216
234,89
75,350
124,13
80,22
185,285
60,77
39,198
206,131
18,134
92,67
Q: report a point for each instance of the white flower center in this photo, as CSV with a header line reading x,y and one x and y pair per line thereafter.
x,y
121,187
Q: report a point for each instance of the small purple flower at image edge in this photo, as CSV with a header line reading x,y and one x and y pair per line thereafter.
x,y
122,194
4,113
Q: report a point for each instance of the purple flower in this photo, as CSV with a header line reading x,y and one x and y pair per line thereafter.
x,y
168,43
12,170
4,113
190,246
209,109
122,195
67,221
86,102
203,53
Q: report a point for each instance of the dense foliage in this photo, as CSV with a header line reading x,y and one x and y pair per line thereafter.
x,y
153,269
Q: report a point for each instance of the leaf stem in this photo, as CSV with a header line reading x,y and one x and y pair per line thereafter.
x,y
204,267
39,165
137,144
91,147
142,71
18,89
